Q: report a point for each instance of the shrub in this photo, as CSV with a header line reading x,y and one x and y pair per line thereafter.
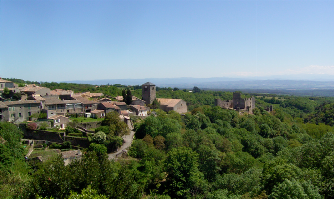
x,y
43,126
100,149
31,126
55,146
99,137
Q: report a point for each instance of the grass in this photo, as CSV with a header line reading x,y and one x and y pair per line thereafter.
x,y
46,154
86,120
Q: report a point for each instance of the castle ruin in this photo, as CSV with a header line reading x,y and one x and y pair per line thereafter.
x,y
238,103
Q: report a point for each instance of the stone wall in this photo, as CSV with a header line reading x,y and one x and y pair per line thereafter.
x,y
181,107
55,137
89,125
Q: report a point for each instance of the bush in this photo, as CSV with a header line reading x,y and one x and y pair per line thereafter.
x,y
43,126
66,145
31,126
100,149
99,137
55,146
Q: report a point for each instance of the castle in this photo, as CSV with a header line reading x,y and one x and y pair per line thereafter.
x,y
239,104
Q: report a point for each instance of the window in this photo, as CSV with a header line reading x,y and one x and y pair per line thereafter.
x,y
20,115
29,113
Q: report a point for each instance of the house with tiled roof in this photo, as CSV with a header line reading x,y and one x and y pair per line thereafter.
x,y
34,89
56,106
98,114
88,105
62,94
108,107
104,100
139,110
3,112
8,84
92,95
177,105
59,121
19,111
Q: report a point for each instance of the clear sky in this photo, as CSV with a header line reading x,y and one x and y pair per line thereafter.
x,y
65,40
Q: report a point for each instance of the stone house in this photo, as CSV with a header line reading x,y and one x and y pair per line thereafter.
x,y
62,94
139,110
177,105
98,114
4,116
8,84
60,121
92,95
88,105
121,105
19,111
62,107
105,100
108,107
33,89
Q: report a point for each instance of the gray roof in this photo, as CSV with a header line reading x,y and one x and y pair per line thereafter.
x,y
58,101
8,103
2,105
148,84
84,100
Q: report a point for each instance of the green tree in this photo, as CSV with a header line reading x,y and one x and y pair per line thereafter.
x,y
116,126
196,89
87,193
99,137
99,149
128,99
183,179
294,189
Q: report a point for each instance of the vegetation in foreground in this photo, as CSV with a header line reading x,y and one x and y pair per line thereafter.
x,y
208,153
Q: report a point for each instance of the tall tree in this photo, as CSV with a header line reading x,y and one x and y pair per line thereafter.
x,y
124,95
183,179
128,98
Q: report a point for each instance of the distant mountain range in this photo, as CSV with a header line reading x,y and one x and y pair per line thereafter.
x,y
220,83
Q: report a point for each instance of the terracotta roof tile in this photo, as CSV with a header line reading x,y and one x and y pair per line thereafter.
x,y
168,102
109,105
84,100
97,111
58,101
4,81
61,92
31,88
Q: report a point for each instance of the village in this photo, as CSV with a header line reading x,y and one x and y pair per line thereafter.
x,y
44,114
50,117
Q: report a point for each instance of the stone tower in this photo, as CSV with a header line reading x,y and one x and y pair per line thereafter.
x,y
237,101
148,92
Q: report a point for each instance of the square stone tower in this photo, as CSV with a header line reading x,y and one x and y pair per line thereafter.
x,y
148,92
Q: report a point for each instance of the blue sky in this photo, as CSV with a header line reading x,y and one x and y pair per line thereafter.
x,y
87,40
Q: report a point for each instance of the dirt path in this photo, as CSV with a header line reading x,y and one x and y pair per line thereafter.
x,y
127,143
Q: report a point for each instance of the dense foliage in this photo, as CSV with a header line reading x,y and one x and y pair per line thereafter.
x,y
208,152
